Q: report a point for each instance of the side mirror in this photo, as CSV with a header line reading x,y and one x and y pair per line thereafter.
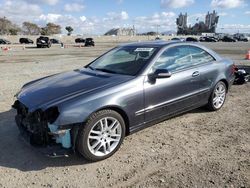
x,y
159,73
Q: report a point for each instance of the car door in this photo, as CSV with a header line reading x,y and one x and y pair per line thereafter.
x,y
179,92
208,69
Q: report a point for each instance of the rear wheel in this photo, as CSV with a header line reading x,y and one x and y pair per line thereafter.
x,y
101,136
217,97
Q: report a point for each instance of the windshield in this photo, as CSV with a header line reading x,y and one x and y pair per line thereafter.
x,y
123,60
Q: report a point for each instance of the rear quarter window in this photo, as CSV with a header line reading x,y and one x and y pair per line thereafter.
x,y
200,56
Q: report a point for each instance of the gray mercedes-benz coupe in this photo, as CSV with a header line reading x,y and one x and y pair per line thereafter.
x,y
92,109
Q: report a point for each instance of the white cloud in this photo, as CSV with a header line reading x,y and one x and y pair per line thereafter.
x,y
168,14
73,7
116,16
80,24
51,2
233,28
111,20
176,3
39,2
164,21
223,14
19,11
247,12
50,17
124,15
227,3
83,18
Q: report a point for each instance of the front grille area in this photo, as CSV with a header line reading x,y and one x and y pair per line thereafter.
x,y
33,126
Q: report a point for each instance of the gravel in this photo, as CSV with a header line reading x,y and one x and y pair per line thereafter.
x,y
196,149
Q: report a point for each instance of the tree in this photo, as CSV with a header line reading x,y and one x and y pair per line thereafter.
x,y
31,28
51,29
7,27
4,26
69,29
44,31
14,30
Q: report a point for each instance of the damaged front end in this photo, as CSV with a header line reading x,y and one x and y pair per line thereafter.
x,y
38,129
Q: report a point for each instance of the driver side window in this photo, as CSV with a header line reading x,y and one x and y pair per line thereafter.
x,y
174,59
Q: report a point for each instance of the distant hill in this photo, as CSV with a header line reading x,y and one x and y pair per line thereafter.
x,y
121,32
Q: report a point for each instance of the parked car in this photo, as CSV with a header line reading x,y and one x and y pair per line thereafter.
x,y
43,42
191,39
158,38
215,38
240,37
207,39
79,40
228,39
25,41
178,39
3,41
89,42
92,109
55,41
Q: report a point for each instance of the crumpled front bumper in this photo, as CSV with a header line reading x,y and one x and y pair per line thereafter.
x,y
50,149
42,135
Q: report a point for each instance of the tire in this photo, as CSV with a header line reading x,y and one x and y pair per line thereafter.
x,y
218,97
95,141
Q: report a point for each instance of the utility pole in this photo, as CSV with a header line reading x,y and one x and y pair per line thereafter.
x,y
4,25
157,28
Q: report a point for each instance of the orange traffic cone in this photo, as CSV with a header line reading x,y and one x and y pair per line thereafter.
x,y
248,55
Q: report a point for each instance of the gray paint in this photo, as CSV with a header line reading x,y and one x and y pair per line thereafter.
x,y
79,93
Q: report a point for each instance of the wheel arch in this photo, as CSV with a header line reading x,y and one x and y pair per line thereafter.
x,y
119,111
225,82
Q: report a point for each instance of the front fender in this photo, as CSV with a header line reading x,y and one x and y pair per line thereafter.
x,y
127,98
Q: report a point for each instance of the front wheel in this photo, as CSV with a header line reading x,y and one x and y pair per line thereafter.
x,y
217,97
101,136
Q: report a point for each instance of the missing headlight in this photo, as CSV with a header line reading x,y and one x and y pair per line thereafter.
x,y
52,114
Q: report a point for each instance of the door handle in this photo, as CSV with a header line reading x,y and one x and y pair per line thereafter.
x,y
196,73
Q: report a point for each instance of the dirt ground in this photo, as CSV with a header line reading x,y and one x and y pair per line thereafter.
x,y
197,149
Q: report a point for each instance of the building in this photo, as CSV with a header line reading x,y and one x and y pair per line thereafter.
x,y
211,21
209,26
181,22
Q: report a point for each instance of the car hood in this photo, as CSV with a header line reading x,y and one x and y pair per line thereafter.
x,y
53,89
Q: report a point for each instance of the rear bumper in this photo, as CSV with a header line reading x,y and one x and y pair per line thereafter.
x,y
42,44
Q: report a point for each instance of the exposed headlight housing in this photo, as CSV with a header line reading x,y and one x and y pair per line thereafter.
x,y
52,114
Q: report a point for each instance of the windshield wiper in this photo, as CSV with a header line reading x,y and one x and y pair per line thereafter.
x,y
106,70
92,68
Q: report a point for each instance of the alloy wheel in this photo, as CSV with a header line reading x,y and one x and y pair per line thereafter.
x,y
219,96
104,136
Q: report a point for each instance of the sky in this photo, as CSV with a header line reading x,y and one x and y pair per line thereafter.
x,y
98,16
